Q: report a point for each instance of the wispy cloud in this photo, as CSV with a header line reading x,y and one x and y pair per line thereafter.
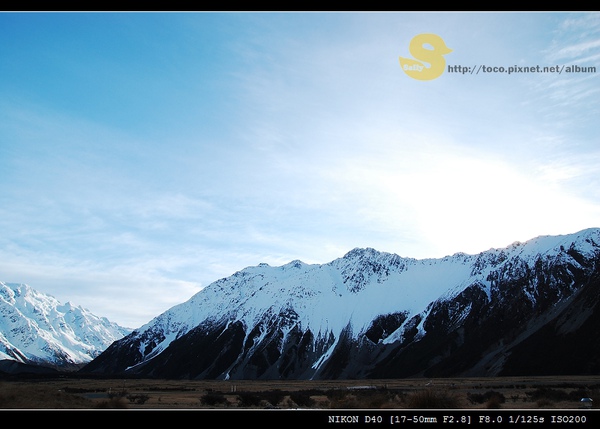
x,y
147,164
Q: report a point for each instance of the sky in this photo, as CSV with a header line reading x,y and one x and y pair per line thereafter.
x,y
144,156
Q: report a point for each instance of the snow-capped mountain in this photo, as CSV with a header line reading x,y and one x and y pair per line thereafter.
x,y
36,328
375,314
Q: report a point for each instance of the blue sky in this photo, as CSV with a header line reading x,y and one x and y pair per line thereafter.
x,y
145,155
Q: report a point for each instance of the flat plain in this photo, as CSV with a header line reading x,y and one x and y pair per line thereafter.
x,y
70,392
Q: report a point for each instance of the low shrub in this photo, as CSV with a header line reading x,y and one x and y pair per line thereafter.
x,y
113,403
430,398
302,399
274,397
213,399
247,399
491,397
138,399
553,395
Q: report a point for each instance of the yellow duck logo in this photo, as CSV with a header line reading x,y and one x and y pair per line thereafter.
x,y
434,57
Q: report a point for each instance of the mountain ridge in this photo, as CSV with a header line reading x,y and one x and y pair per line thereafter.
x,y
36,329
367,313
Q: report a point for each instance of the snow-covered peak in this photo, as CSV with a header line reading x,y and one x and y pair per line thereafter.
x,y
353,289
37,328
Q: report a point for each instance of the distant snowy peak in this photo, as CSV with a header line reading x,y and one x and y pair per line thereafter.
x,y
37,328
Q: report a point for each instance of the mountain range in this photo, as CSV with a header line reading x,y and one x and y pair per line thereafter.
x,y
36,330
528,309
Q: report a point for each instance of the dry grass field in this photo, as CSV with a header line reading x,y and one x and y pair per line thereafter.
x,y
463,393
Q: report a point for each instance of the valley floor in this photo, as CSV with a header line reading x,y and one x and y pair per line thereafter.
x,y
452,393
